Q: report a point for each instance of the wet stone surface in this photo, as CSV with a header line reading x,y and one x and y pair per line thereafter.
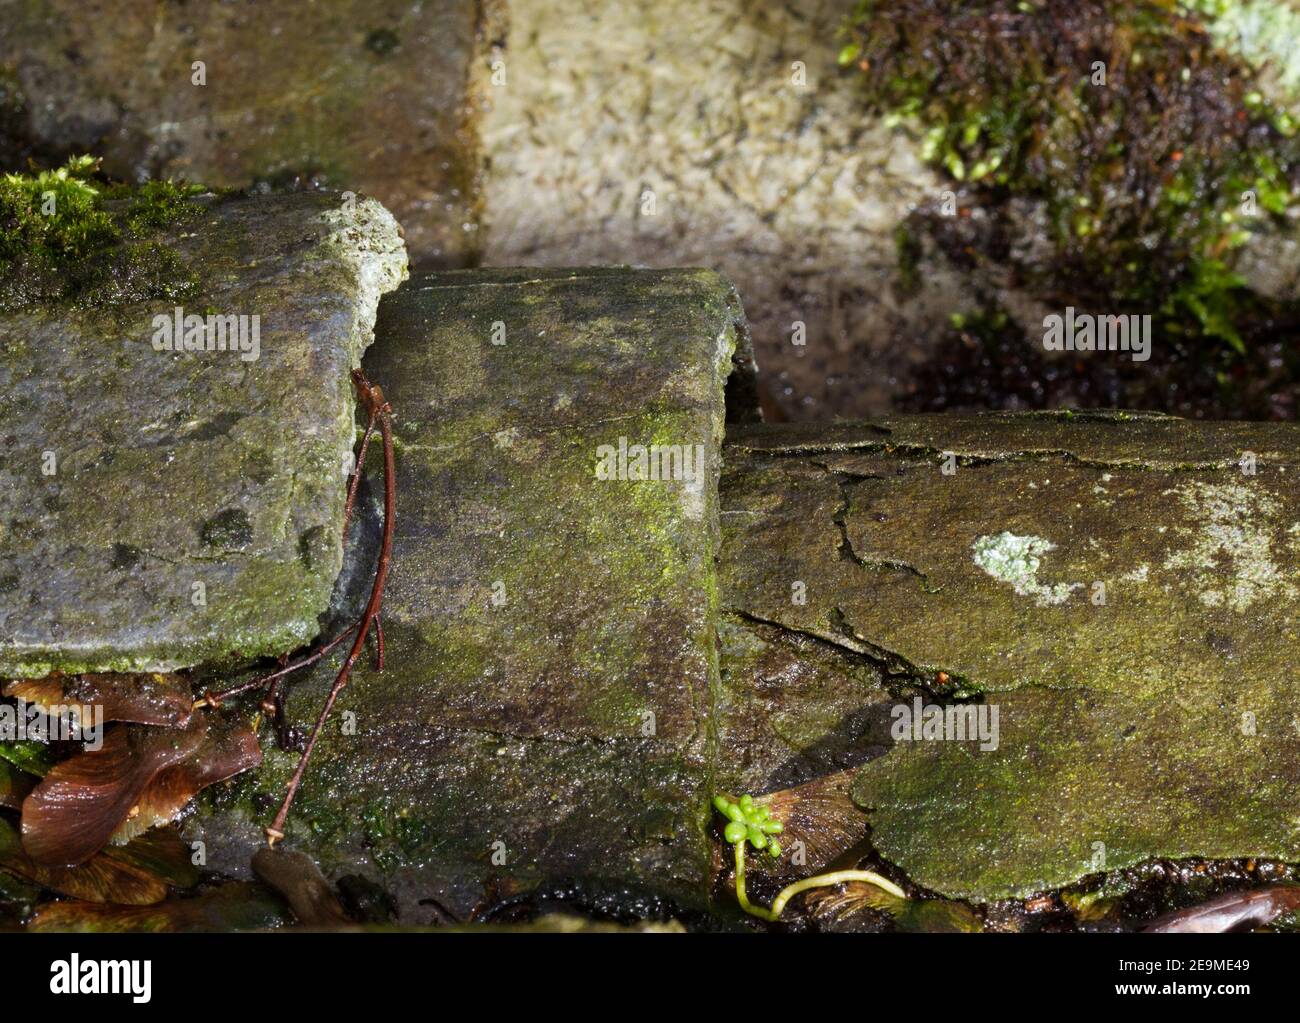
x,y
792,707
551,653
163,508
1115,586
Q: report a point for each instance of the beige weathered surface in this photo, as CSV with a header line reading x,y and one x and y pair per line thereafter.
x,y
791,190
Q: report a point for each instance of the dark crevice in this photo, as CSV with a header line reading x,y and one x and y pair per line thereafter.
x,y
972,459
847,483
900,677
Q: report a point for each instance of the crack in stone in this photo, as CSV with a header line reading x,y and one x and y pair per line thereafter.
x,y
969,457
896,670
847,481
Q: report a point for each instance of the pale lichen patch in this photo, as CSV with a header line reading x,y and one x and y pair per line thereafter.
x,y
1138,575
1015,560
1230,555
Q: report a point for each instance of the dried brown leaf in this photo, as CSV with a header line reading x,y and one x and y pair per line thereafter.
x,y
1255,908
238,906
822,815
842,904
161,852
121,876
14,786
139,778
154,699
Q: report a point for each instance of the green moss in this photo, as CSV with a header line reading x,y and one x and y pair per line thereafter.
x,y
156,204
64,236
1143,173
53,214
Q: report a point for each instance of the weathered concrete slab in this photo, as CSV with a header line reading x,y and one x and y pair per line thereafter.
x,y
550,634
1168,441
159,508
1117,586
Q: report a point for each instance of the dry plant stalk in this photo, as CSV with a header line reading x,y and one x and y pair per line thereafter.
x,y
378,413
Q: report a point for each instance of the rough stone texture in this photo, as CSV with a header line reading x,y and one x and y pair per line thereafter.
x,y
791,707
797,192
793,191
568,718
370,96
1156,724
172,469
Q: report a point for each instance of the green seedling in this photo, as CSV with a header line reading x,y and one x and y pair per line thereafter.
x,y
750,823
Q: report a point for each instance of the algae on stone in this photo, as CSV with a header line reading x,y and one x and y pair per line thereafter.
x,y
1083,783
160,508
1122,587
550,646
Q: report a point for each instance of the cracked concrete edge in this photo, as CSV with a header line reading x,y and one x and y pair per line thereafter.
x,y
856,454
1101,437
369,241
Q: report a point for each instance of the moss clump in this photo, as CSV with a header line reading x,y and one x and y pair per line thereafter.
x,y
53,214
1148,149
64,236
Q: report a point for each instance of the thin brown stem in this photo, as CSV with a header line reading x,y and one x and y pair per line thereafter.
x,y
269,704
355,482
379,411
216,699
